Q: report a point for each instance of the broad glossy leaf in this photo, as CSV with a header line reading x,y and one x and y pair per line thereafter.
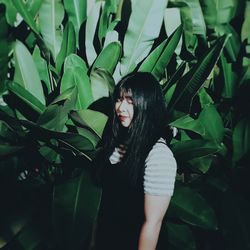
x,y
143,28
33,7
56,114
109,57
187,122
11,11
91,119
102,83
192,81
42,67
51,15
191,207
187,150
90,135
77,12
26,73
91,26
213,124
157,60
68,45
205,98
73,142
246,23
75,204
202,164
109,8
25,96
241,139
26,15
193,22
180,236
217,12
76,74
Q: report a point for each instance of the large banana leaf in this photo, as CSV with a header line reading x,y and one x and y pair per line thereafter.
x,y
102,83
110,7
42,67
187,122
91,26
158,59
75,204
26,73
191,207
55,115
75,74
93,120
51,15
26,15
10,11
213,124
193,22
77,12
68,45
241,139
109,57
217,12
26,97
187,150
143,29
191,82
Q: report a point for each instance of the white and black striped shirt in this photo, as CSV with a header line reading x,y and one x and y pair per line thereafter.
x,y
160,169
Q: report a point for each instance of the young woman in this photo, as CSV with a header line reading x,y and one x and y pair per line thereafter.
x,y
135,167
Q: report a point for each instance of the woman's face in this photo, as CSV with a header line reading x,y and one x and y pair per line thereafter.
x,y
124,109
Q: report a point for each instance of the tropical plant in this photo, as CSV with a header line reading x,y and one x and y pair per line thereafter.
x,y
59,63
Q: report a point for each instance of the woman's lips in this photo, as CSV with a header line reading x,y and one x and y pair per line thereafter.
x,y
122,117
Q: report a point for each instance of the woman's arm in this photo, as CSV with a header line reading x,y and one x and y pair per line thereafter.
x,y
155,208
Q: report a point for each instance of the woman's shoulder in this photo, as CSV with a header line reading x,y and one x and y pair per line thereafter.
x,y
160,149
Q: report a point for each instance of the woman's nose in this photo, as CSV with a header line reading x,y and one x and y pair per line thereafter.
x,y
122,106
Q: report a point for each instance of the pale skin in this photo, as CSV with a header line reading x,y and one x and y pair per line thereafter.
x,y
155,207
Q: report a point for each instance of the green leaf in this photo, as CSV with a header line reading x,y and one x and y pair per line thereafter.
x,y
75,74
213,124
191,207
75,204
56,114
241,139
187,122
180,236
26,15
26,97
91,26
51,15
143,28
77,12
68,45
42,67
217,12
109,57
229,77
10,12
102,83
192,81
91,119
187,150
26,73
158,59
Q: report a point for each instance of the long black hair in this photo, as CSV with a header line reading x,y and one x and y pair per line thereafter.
x,y
147,126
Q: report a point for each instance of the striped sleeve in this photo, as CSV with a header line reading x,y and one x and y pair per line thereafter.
x,y
160,170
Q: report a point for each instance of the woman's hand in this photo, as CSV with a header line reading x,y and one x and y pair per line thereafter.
x,y
155,208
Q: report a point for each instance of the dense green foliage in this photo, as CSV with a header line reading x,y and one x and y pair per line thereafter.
x,y
60,61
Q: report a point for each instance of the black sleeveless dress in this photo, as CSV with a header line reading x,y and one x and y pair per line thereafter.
x,y
121,213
